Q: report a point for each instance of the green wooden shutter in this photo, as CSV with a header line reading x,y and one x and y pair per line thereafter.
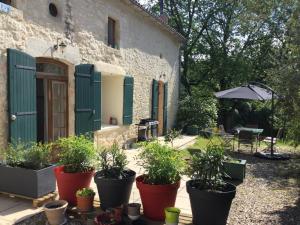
x,y
154,114
165,129
21,70
84,102
97,101
128,100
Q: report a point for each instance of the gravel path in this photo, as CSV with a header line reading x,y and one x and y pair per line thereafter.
x,y
270,194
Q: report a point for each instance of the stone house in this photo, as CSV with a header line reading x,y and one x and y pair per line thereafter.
x,y
70,67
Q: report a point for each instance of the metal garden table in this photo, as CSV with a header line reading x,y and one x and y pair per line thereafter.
x,y
254,131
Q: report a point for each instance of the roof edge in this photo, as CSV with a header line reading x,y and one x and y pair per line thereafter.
x,y
156,19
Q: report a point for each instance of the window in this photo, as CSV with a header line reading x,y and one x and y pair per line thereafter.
x,y
112,33
112,100
7,2
51,69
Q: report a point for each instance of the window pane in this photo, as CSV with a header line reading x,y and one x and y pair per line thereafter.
x,y
111,32
50,68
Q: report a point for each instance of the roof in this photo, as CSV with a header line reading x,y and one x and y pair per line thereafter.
x,y
156,19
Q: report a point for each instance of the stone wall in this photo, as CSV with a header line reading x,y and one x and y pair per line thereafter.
x,y
32,29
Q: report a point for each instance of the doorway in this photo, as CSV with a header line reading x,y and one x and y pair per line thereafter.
x,y
52,99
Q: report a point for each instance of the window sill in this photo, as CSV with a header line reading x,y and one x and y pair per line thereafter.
x,y
105,127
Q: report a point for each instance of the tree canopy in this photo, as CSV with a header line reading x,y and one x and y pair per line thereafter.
x,y
230,43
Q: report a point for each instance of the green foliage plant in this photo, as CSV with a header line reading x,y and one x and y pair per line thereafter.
x,y
198,109
205,168
77,154
85,192
113,162
171,135
162,164
27,155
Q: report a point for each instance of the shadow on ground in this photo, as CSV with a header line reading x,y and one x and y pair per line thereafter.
x,y
289,214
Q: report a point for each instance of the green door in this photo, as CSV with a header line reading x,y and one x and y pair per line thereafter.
x,y
154,113
165,129
128,100
97,100
87,99
22,112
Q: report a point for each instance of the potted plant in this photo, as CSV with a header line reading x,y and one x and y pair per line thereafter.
x,y
134,211
113,180
77,160
172,215
171,135
26,170
210,196
85,199
158,186
55,212
235,168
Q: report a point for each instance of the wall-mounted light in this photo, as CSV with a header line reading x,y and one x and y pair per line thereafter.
x,y
162,76
60,44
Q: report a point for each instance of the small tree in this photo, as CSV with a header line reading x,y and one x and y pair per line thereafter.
x,y
206,168
113,162
171,135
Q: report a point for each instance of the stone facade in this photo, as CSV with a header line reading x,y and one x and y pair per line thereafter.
x,y
146,50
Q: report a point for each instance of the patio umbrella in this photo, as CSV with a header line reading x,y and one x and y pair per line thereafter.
x,y
249,91
254,91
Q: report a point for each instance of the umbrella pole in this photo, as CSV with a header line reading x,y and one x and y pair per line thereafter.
x,y
272,126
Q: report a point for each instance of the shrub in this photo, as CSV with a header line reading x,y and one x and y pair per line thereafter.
x,y
162,164
27,155
113,162
85,192
197,109
77,154
206,168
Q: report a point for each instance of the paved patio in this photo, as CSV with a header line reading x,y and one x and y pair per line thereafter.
x,y
14,210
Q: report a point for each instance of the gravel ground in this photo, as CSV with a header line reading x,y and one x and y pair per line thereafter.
x,y
270,194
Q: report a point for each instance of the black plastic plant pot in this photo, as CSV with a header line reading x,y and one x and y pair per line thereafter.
x,y
210,207
114,192
27,182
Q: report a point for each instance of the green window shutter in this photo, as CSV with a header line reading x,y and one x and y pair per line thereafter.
x,y
128,100
97,101
84,102
165,129
21,70
154,114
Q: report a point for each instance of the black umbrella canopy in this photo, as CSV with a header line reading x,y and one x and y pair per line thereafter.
x,y
249,91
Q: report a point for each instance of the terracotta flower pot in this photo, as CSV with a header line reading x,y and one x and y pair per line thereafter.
x,y
55,211
85,204
69,183
155,198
